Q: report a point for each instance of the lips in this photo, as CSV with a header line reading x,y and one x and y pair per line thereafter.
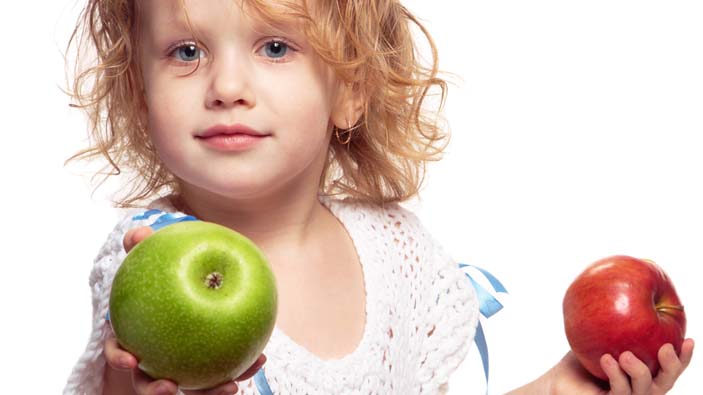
x,y
231,138
230,130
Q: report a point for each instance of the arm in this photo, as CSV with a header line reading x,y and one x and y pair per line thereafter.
x,y
627,375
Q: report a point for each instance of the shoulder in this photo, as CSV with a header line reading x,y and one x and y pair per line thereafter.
x,y
397,227
131,218
390,218
438,300
393,228
111,253
149,215
415,260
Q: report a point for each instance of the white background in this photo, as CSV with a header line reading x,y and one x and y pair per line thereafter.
x,y
576,135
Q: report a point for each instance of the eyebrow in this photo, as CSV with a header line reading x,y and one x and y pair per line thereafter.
x,y
178,19
174,16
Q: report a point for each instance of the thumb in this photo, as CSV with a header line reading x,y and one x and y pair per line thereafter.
x,y
135,236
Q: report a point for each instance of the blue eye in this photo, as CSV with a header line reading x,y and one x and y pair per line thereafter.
x,y
276,49
188,52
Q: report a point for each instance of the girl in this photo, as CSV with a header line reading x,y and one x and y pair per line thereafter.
x,y
301,125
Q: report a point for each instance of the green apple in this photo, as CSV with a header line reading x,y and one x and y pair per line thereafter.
x,y
195,303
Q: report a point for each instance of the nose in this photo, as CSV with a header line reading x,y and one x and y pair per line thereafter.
x,y
230,84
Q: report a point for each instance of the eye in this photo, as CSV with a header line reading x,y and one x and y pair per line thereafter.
x,y
275,49
187,52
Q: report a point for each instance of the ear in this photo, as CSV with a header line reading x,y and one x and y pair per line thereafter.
x,y
348,108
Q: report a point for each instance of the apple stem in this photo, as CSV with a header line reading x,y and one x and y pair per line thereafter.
x,y
214,280
664,308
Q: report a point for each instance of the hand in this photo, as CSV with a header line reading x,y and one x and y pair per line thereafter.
x,y
627,376
121,360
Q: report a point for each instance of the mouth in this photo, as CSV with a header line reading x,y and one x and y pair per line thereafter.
x,y
231,138
230,130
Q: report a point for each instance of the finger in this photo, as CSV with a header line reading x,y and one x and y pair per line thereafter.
x,y
228,388
640,376
231,388
619,382
145,385
686,352
253,369
127,239
134,236
671,367
116,357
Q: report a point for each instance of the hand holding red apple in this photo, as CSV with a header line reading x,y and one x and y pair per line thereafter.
x,y
605,311
627,376
622,304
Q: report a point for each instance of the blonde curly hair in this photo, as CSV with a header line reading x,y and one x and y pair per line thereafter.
x,y
370,44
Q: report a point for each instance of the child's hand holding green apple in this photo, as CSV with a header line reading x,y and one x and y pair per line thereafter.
x,y
123,371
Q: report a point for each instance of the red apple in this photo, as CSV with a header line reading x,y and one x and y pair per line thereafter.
x,y
622,304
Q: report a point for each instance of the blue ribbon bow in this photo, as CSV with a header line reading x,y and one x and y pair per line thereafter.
x,y
488,305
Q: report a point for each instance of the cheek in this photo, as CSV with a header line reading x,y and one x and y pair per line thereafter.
x,y
167,109
167,124
317,121
311,106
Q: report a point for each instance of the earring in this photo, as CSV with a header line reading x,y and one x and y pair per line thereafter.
x,y
347,134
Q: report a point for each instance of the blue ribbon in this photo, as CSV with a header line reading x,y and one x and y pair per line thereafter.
x,y
488,305
261,383
146,215
164,220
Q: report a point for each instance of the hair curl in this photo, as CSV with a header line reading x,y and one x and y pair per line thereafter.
x,y
370,44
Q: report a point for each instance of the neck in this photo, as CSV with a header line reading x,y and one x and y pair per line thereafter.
x,y
275,220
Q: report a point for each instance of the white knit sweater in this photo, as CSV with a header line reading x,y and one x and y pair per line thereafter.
x,y
421,313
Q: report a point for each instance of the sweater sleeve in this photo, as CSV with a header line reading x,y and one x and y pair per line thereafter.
x,y
448,313
87,375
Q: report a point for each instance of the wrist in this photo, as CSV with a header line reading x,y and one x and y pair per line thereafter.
x,y
540,386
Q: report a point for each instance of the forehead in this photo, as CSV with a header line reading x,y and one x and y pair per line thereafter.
x,y
183,13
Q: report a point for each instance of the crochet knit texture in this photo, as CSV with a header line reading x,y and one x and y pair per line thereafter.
x,y
421,313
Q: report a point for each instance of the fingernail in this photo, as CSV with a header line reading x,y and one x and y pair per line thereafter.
x,y
667,349
627,357
229,389
163,389
125,362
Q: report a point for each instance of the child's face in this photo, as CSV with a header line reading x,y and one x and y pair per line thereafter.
x,y
268,80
